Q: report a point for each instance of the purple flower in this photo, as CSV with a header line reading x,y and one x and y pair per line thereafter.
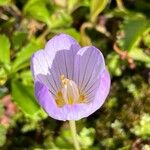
x,y
70,82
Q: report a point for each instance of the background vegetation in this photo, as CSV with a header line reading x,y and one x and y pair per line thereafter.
x,y
120,29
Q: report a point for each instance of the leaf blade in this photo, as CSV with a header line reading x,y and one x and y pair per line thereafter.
x,y
24,98
24,55
97,6
4,49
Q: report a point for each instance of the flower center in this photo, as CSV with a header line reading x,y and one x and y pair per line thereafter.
x,y
69,93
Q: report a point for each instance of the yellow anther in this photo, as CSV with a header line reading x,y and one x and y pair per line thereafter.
x,y
82,98
59,100
64,80
62,77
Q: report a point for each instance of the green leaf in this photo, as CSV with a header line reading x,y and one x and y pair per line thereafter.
x,y
24,55
3,132
71,4
26,75
97,6
38,10
24,97
86,137
133,29
146,38
3,76
4,49
142,128
4,2
65,136
113,63
60,19
139,55
18,38
2,109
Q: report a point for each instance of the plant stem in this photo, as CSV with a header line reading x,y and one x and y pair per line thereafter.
x,y
74,134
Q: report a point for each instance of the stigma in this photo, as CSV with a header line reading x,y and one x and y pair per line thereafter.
x,y
69,93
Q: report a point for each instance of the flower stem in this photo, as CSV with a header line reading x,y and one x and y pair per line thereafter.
x,y
74,134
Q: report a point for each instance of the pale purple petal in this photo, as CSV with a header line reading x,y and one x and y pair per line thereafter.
x,y
77,111
40,70
46,100
84,110
64,63
62,49
61,42
49,64
89,64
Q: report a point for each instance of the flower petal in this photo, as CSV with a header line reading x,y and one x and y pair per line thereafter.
x,y
48,65
64,63
77,111
61,42
41,71
46,100
62,49
89,64
84,110
48,103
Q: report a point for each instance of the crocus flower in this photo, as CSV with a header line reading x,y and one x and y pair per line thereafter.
x,y
70,82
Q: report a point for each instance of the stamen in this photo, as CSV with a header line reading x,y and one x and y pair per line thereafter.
x,y
82,98
59,99
64,80
69,93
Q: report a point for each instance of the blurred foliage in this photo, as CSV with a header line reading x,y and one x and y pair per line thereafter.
x,y
142,128
120,29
